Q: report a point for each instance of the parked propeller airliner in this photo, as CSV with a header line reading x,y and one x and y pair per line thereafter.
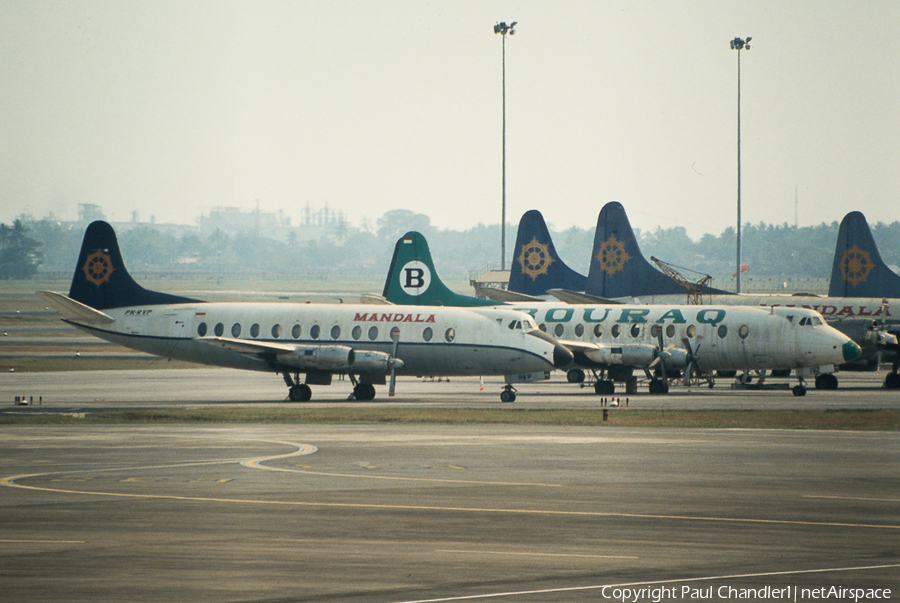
x,y
366,342
872,322
619,273
615,339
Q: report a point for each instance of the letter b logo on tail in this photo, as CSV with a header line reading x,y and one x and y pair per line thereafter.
x,y
415,278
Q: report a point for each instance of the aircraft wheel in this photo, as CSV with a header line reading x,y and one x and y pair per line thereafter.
x,y
826,381
799,390
300,393
892,381
604,387
658,386
364,392
507,396
575,376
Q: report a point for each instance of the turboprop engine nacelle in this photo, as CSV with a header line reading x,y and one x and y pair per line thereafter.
x,y
675,358
374,362
633,354
326,357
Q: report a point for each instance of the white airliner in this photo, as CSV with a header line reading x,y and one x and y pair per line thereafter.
x,y
615,339
366,342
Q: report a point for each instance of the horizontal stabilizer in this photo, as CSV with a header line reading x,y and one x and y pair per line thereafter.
x,y
372,298
70,309
576,297
504,295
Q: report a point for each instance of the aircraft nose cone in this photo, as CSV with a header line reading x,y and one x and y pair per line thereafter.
x,y
562,357
850,351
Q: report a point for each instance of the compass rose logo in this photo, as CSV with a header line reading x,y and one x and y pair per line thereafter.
x,y
98,267
612,255
855,265
535,259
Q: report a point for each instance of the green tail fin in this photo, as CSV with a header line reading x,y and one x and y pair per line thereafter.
x,y
412,279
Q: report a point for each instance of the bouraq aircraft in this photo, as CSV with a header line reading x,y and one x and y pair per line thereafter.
x,y
366,342
616,339
862,302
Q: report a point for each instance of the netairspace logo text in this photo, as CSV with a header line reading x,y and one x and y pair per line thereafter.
x,y
726,593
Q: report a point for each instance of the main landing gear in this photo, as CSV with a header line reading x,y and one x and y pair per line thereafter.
x,y
301,392
800,388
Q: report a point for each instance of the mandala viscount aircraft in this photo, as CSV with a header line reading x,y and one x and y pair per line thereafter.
x,y
615,339
862,301
366,342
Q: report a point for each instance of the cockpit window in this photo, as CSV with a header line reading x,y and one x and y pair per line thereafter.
x,y
515,324
810,321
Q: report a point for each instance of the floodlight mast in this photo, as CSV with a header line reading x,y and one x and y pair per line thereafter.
x,y
502,28
739,44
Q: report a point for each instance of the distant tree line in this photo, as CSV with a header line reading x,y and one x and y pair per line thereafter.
x,y
32,248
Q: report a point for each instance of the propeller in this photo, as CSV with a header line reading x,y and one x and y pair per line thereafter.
x,y
692,366
395,337
661,354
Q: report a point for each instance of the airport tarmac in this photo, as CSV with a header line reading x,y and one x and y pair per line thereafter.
x,y
390,513
398,513
155,388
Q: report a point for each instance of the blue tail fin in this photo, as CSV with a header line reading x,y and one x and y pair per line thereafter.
x,y
101,280
536,267
858,270
618,269
412,279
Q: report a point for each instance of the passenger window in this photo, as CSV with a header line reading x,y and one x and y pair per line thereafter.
x,y
335,332
219,329
373,333
236,329
579,330
427,334
615,330
656,330
254,330
635,330
356,333
450,335
201,329
559,330
691,331
744,331
314,331
670,331
296,332
722,331
598,330
276,331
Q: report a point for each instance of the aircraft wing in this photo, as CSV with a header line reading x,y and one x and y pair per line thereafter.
x,y
503,295
70,309
638,355
328,358
574,297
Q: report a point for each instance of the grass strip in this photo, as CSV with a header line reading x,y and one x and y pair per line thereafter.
x,y
845,419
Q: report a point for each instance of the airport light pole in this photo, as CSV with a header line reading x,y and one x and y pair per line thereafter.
x,y
739,44
502,28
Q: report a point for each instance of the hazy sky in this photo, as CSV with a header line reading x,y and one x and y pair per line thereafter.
x,y
170,108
